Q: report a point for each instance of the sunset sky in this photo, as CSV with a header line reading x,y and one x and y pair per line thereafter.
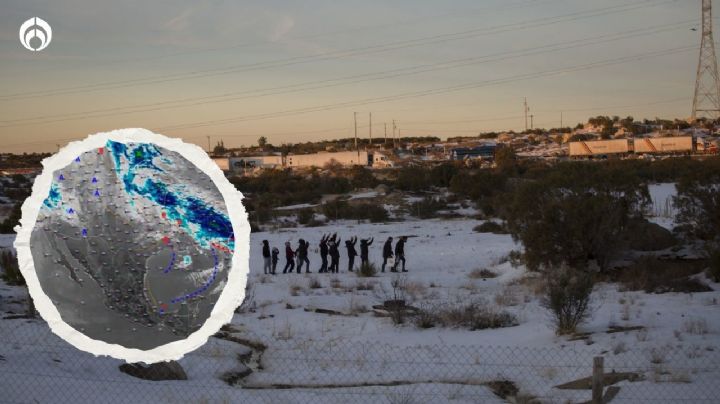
x,y
296,71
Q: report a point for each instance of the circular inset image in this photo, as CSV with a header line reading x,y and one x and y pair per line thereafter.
x,y
134,245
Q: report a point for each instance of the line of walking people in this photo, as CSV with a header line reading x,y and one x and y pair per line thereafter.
x,y
329,247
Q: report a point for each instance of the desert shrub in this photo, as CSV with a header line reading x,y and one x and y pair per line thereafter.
x,y
482,273
365,286
490,227
653,275
567,297
474,315
642,235
315,284
426,317
305,216
412,179
339,209
296,289
361,177
367,270
696,326
11,271
442,175
574,215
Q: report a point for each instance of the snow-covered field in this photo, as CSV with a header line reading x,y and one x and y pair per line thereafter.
x,y
344,352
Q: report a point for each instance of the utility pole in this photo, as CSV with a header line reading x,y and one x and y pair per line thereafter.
x,y
706,102
356,144
532,126
386,133
370,129
208,138
394,127
525,107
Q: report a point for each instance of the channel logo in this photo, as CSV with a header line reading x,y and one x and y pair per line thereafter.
x,y
37,31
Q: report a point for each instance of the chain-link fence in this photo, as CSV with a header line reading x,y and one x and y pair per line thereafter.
x,y
234,366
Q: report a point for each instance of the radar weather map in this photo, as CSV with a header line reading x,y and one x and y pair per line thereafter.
x,y
133,245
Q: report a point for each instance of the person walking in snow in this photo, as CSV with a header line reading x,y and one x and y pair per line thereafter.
x,y
400,254
275,253
289,258
364,252
266,257
352,253
324,252
302,256
387,252
334,255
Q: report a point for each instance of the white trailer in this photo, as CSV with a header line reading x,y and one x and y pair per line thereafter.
x,y
599,147
678,144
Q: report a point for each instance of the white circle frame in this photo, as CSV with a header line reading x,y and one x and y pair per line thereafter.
x,y
231,296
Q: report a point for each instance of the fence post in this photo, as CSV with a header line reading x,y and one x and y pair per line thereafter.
x,y
597,380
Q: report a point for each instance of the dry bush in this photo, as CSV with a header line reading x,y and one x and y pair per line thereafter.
x,y
367,270
509,296
413,290
482,273
315,283
473,316
295,289
336,283
568,298
659,355
695,326
365,286
653,275
534,284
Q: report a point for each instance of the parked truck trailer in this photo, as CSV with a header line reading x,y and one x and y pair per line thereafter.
x,y
599,147
678,144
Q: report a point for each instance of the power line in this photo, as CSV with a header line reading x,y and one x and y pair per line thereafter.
x,y
436,91
509,6
348,129
441,38
347,80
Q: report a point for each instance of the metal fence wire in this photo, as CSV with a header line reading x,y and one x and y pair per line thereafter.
x,y
235,366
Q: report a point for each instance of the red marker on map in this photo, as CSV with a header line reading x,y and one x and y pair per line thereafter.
x,y
166,240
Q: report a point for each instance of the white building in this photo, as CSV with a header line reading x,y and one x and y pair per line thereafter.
x,y
345,158
239,164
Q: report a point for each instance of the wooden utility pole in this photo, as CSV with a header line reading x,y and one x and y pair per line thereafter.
x,y
525,107
532,122
208,138
385,132
394,127
370,128
356,142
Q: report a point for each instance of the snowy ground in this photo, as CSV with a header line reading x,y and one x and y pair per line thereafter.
x,y
676,349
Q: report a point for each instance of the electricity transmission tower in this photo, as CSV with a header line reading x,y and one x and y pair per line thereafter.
x,y
707,84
